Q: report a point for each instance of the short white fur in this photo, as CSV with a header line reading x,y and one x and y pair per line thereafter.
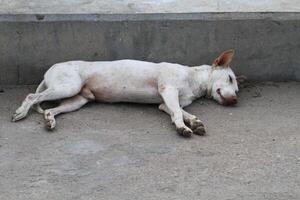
x,y
173,86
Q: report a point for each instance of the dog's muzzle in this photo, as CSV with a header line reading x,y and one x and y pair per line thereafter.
x,y
230,101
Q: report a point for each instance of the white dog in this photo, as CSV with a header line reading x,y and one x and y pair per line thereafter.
x,y
173,86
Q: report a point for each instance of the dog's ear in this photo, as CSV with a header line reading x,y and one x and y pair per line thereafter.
x,y
240,78
224,59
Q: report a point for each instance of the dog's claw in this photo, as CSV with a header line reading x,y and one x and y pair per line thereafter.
x,y
184,131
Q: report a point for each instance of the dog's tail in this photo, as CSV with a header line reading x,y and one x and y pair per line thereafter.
x,y
40,88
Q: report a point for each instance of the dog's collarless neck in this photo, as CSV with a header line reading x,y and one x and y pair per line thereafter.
x,y
209,83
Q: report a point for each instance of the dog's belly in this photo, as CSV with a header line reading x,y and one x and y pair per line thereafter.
x,y
126,94
136,90
136,96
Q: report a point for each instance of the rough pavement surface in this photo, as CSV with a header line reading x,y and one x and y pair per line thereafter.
x,y
130,151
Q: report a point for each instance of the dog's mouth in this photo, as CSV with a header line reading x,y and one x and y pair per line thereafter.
x,y
225,101
219,93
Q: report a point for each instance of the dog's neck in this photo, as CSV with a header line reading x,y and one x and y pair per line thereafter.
x,y
201,80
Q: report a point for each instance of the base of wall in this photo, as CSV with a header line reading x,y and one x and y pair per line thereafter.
x,y
267,44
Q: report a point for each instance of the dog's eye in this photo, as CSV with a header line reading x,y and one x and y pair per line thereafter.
x,y
230,79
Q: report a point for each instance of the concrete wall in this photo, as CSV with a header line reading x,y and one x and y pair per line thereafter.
x,y
267,44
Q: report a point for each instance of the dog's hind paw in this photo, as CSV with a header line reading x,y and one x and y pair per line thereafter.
x,y
50,124
49,120
18,116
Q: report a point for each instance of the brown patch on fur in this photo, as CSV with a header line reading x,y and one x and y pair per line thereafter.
x,y
103,94
95,89
224,59
152,82
87,93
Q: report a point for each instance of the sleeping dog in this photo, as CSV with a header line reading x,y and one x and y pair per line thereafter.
x,y
172,86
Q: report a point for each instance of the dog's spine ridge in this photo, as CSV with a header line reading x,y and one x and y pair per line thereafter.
x,y
39,89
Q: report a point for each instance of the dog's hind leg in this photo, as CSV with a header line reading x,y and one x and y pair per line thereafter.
x,y
37,107
54,92
67,105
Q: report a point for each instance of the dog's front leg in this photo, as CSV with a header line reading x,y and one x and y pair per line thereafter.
x,y
171,100
191,120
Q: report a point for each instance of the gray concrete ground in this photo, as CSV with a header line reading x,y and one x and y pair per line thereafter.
x,y
146,6
130,151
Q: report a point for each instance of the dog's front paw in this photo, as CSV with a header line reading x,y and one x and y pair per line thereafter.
x,y
197,126
195,123
184,131
200,130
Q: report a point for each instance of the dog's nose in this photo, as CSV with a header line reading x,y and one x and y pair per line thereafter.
x,y
234,100
231,100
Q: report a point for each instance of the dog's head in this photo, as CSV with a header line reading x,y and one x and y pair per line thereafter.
x,y
224,83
